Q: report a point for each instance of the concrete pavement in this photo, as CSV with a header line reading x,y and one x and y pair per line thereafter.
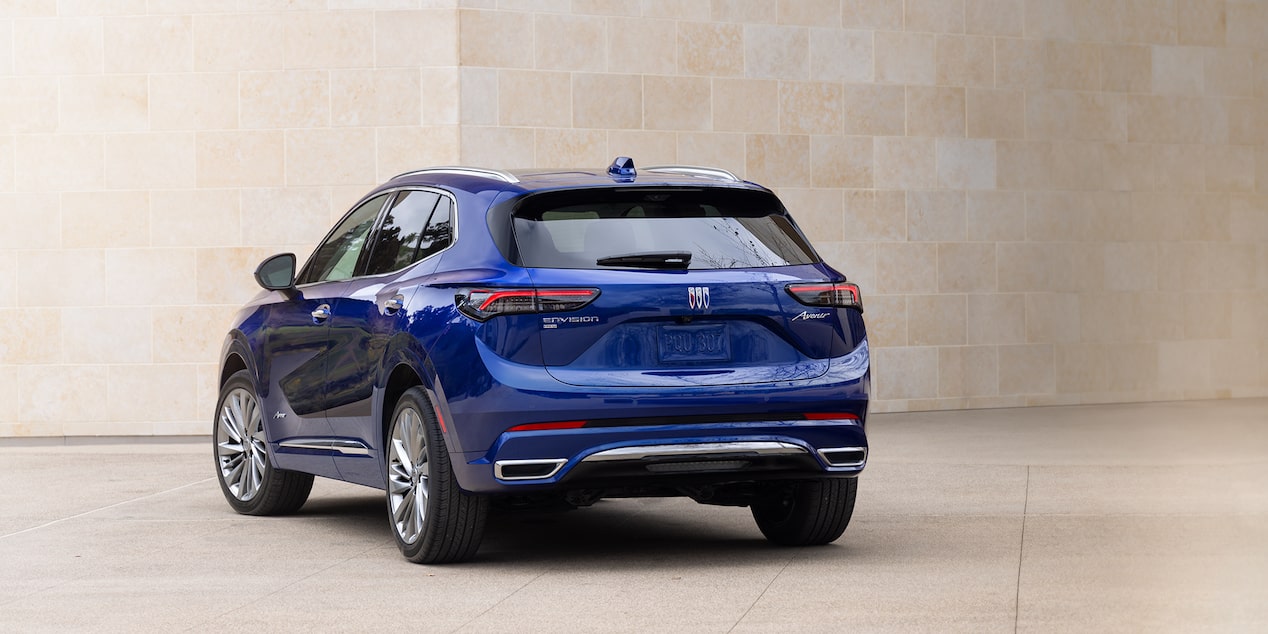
x,y
1146,517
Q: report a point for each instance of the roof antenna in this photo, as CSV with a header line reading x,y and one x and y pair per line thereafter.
x,y
622,169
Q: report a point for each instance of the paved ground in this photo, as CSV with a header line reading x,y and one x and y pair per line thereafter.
x,y
1126,517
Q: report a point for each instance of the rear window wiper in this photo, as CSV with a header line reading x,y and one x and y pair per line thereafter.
x,y
658,260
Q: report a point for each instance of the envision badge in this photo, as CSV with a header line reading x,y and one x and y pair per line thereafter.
x,y
698,297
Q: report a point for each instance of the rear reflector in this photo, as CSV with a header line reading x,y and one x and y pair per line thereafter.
x,y
568,424
831,416
485,303
839,294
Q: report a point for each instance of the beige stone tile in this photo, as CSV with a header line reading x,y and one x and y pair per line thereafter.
x,y
9,400
192,6
404,149
677,103
81,275
191,334
715,149
759,11
8,163
745,105
324,40
149,277
1246,24
875,215
841,55
168,391
284,99
1128,166
874,109
1019,63
1052,318
1027,266
494,38
855,260
677,9
819,212
1067,115
356,98
507,147
569,42
1229,72
776,52
103,103
872,14
1127,68
28,104
194,217
1178,70
995,114
608,7
8,279
340,156
105,219
906,58
937,320
31,336
640,45
34,217
225,275
994,17
441,99
6,47
146,44
415,39
1209,315
996,318
557,148
1072,65
186,101
778,160
995,216
61,394
1247,122
1201,22
706,48
58,162
966,163
886,320
239,41
934,16
282,216
965,61
604,100
935,215
101,7
810,108
645,147
810,12
905,372
1146,22
479,98
905,162
240,158
150,160
841,161
1026,369
77,42
1023,164
935,112
1130,266
1164,119
1230,168
967,371
903,267
124,338
966,267
534,98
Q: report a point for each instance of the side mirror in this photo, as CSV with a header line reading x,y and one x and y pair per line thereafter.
x,y
277,272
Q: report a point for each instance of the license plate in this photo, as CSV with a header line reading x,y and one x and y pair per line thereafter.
x,y
680,344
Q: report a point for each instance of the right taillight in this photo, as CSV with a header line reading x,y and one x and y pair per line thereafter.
x,y
485,303
838,294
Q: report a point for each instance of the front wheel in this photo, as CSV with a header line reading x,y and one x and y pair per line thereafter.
x,y
251,484
809,513
433,520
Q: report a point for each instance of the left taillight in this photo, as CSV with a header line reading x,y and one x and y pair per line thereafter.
x,y
839,294
483,304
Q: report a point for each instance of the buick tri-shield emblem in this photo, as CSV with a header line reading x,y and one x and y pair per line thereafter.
x,y
698,297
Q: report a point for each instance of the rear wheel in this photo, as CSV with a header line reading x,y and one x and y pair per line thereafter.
x,y
251,484
432,519
809,513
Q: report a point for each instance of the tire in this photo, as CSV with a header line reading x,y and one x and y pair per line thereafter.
x,y
432,519
251,484
809,513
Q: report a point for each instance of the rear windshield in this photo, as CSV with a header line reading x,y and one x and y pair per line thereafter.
x,y
721,229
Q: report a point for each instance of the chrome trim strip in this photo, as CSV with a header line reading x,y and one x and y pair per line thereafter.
x,y
693,170
761,448
497,468
479,172
858,463
345,447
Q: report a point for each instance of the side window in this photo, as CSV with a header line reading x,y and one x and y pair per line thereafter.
x,y
416,226
336,258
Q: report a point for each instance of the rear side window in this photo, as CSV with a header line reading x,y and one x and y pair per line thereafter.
x,y
418,224
721,229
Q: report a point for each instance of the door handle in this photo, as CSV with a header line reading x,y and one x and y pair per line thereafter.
x,y
393,304
321,313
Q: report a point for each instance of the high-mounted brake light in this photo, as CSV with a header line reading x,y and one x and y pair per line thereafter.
x,y
485,303
841,294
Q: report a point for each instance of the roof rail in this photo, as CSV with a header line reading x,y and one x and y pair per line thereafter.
x,y
478,172
692,170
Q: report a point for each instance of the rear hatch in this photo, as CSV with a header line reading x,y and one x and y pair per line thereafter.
x,y
692,287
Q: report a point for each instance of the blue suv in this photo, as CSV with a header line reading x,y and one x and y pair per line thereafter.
x,y
469,337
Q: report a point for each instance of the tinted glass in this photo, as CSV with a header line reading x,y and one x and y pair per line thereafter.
x,y
721,229
336,258
397,243
439,232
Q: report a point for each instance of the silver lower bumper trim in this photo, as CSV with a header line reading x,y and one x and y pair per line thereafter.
x,y
752,447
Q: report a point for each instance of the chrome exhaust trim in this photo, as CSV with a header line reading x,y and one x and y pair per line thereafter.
x,y
844,456
527,469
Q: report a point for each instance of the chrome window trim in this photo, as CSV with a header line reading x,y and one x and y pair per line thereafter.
x,y
759,447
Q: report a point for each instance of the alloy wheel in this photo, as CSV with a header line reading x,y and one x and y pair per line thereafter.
x,y
240,446
409,475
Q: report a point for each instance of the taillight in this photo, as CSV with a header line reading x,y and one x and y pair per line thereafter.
x,y
840,294
485,303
